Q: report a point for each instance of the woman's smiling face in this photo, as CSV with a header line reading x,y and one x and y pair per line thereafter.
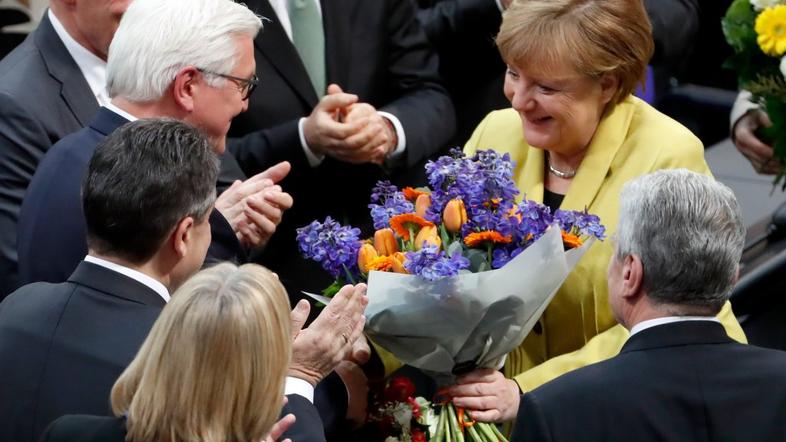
x,y
560,110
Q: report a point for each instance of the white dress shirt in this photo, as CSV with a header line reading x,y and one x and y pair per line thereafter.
x,y
314,159
291,385
643,325
92,67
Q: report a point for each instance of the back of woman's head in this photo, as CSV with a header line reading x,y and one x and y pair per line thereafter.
x,y
213,366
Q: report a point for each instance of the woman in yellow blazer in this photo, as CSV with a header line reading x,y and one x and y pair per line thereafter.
x,y
577,135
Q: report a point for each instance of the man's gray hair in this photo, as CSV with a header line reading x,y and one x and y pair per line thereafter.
x,y
688,231
158,38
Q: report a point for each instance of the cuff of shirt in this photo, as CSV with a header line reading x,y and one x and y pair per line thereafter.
x,y
314,160
499,5
402,137
299,387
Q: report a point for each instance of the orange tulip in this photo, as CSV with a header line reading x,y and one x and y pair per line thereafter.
x,y
454,216
422,204
427,234
385,242
366,254
398,262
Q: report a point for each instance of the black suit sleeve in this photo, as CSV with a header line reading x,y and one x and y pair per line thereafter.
x,y
530,423
445,20
22,144
308,426
422,104
674,27
264,148
224,245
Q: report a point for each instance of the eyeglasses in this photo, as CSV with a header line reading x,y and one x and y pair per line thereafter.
x,y
245,85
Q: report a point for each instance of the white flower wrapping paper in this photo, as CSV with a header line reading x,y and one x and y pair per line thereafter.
x,y
471,319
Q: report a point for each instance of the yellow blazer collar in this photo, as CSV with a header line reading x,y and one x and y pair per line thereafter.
x,y
608,138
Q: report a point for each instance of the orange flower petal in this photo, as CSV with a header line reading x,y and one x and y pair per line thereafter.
x,y
401,224
477,238
570,240
381,264
411,194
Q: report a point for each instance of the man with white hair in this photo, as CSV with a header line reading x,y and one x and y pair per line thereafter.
x,y
679,377
195,73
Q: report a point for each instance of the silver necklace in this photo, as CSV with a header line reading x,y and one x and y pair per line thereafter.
x,y
564,175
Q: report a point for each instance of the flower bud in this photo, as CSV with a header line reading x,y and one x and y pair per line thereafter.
x,y
427,234
366,254
454,216
385,242
422,204
398,262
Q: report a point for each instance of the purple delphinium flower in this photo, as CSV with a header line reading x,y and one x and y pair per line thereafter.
x,y
535,219
580,223
332,245
386,202
432,264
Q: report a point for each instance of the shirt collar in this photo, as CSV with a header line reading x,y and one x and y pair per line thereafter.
x,y
140,277
93,68
643,325
120,112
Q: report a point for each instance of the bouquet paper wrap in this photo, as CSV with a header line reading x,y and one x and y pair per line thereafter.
x,y
472,319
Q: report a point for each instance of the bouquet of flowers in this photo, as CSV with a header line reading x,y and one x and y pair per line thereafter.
x,y
756,30
458,273
400,415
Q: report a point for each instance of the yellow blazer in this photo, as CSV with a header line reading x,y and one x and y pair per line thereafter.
x,y
578,327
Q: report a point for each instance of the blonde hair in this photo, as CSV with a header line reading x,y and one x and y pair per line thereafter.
x,y
213,367
594,36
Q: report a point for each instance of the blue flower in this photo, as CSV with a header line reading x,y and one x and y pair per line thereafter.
x,y
432,264
332,245
580,223
386,202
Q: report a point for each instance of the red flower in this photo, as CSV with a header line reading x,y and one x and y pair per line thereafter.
x,y
418,436
399,389
415,407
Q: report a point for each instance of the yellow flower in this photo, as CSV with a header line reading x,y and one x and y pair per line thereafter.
x,y
422,203
366,256
385,242
454,216
427,235
771,30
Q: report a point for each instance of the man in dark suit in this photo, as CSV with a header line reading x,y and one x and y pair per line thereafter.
x,y
62,346
51,85
246,214
43,97
350,94
679,377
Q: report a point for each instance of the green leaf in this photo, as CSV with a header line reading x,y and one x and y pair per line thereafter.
x,y
477,258
332,289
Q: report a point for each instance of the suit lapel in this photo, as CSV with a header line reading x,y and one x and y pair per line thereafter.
x,y
74,88
677,334
115,284
607,140
274,45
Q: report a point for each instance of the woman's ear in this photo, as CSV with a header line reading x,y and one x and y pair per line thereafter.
x,y
609,84
184,87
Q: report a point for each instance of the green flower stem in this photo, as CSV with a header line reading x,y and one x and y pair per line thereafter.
x,y
484,429
411,237
448,426
473,434
349,275
459,432
501,437
489,248
440,434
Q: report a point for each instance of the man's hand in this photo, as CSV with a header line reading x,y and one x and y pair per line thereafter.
x,y
349,131
254,207
318,349
357,392
488,395
757,152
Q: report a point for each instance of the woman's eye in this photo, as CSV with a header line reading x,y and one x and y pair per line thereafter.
x,y
513,73
546,89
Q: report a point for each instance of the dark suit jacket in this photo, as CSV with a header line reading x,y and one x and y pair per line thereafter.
x,y
52,231
43,97
375,49
113,429
462,32
60,346
686,381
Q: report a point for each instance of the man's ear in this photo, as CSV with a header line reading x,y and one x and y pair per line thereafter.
x,y
632,276
181,237
609,83
184,87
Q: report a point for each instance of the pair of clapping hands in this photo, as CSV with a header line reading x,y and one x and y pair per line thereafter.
x,y
347,130
331,342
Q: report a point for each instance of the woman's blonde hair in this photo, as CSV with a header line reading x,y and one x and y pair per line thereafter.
x,y
213,367
594,36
